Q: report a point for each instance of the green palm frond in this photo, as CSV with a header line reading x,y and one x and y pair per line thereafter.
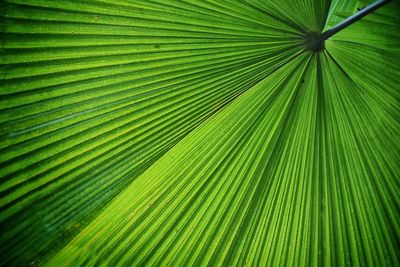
x,y
191,133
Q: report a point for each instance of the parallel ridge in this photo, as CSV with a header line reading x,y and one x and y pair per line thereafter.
x,y
300,170
94,92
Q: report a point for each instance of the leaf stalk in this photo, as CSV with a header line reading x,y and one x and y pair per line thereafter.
x,y
350,20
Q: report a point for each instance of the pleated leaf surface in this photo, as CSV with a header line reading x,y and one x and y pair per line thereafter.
x,y
191,133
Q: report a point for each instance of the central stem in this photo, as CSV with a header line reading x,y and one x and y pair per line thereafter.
x,y
315,41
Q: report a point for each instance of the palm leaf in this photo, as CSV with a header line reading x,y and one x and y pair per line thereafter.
x,y
198,132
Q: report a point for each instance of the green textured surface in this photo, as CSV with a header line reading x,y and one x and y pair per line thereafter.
x,y
189,132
